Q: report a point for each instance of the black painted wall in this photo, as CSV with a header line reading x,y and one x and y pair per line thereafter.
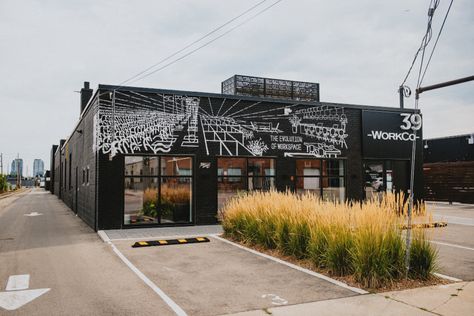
x,y
100,203
455,148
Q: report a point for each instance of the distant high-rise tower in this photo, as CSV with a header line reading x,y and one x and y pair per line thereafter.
x,y
38,168
14,170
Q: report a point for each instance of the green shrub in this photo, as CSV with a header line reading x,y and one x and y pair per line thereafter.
x,y
339,252
317,246
3,184
423,257
282,236
298,239
266,231
378,258
363,239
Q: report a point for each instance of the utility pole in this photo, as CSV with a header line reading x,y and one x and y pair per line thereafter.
x,y
400,92
413,156
1,164
403,92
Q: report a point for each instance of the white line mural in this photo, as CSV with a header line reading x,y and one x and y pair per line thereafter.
x,y
135,122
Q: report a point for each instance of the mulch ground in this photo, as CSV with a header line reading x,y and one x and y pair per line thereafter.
x,y
402,284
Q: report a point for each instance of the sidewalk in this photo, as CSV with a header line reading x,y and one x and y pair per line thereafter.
x,y
163,232
446,300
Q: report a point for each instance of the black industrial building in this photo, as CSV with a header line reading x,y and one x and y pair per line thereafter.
x,y
449,168
141,157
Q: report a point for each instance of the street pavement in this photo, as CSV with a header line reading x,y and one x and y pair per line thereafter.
x,y
51,263
61,253
455,242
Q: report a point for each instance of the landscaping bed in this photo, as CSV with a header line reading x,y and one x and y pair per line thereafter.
x,y
400,284
361,244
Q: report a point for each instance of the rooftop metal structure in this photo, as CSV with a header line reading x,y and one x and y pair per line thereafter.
x,y
271,88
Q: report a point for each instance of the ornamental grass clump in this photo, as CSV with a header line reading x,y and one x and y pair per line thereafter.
x,y
360,239
423,257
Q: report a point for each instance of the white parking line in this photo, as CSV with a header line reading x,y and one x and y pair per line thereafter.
x,y
293,266
451,245
18,282
172,304
455,219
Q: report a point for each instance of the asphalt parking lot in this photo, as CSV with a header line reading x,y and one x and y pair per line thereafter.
x,y
217,278
455,242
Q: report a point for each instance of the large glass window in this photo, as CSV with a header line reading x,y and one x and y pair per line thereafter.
x,y
237,175
387,175
158,190
176,200
141,198
374,178
323,178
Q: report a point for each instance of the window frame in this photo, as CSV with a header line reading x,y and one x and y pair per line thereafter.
x,y
158,177
324,174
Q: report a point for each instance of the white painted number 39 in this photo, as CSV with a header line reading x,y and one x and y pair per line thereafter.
x,y
276,300
411,121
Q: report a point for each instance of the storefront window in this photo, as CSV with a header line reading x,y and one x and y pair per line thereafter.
x,y
140,201
141,165
175,200
161,194
308,167
237,175
261,167
231,166
333,189
385,176
333,168
374,178
324,178
176,166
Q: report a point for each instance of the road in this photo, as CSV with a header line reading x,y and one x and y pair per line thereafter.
x,y
81,275
455,242
61,253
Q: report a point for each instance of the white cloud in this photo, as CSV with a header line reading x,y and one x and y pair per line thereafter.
x,y
359,51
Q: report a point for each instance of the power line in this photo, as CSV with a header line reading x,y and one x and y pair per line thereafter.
x,y
426,38
436,42
194,42
208,43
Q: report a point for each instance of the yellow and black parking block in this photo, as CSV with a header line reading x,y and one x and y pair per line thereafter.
x,y
165,242
427,225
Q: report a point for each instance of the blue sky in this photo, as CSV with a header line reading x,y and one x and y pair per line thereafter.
x,y
359,52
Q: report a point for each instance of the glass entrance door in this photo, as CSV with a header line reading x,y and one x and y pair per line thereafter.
x,y
385,176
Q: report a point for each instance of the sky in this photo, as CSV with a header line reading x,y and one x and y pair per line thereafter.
x,y
359,52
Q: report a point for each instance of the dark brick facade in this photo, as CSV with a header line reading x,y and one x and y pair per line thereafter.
x,y
100,200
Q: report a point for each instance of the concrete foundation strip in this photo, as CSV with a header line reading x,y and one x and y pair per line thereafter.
x,y
447,277
294,266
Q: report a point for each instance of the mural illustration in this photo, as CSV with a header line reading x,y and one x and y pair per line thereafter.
x,y
131,122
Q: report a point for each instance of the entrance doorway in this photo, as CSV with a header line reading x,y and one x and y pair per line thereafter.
x,y
385,176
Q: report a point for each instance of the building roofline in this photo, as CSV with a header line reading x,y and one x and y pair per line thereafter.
x,y
248,98
448,137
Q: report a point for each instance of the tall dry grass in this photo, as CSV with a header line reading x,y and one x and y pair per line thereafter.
x,y
360,239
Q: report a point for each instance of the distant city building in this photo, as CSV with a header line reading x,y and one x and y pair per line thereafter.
x,y
14,169
38,168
